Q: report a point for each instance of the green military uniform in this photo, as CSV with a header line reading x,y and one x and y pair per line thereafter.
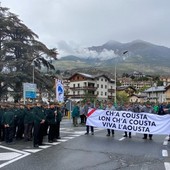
x,y
39,119
8,121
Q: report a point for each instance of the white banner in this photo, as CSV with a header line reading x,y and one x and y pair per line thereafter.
x,y
59,91
129,121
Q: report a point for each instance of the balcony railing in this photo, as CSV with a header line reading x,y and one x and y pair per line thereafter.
x,y
111,90
81,96
111,97
83,88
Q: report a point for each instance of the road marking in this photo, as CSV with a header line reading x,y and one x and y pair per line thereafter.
x,y
8,156
62,140
164,153
167,137
54,143
14,150
75,135
69,137
121,138
32,150
80,132
45,146
167,165
165,143
23,154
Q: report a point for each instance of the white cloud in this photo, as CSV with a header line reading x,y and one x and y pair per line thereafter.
x,y
94,22
82,52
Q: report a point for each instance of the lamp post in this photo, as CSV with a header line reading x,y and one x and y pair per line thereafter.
x,y
115,99
33,71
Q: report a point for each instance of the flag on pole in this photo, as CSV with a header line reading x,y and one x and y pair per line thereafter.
x,y
59,91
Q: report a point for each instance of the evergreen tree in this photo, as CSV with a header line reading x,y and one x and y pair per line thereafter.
x,y
20,54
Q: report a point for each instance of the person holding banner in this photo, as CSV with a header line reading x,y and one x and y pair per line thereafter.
x,y
110,107
127,107
147,108
86,108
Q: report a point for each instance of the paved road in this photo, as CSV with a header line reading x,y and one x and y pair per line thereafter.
x,y
76,151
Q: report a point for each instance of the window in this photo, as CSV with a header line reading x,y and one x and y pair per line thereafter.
x,y
101,93
105,93
73,85
101,79
105,80
105,86
78,85
101,85
98,85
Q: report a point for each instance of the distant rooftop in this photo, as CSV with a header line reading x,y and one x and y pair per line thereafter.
x,y
156,89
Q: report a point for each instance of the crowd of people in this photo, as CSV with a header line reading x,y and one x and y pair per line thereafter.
x,y
30,122
33,121
80,110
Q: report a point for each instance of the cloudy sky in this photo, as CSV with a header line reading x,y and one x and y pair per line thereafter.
x,y
69,24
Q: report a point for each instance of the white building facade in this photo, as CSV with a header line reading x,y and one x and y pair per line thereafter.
x,y
85,85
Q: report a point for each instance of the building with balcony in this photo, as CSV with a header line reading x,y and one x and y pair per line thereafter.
x,y
83,85
159,94
136,84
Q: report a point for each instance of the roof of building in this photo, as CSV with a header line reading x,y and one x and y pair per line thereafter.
x,y
83,74
93,76
125,87
155,89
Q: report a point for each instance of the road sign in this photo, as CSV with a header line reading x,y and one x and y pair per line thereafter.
x,y
29,90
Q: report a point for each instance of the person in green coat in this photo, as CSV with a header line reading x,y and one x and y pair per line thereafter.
x,y
8,122
59,118
28,122
51,118
2,129
39,120
75,114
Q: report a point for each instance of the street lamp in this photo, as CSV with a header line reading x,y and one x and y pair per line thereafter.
x,y
115,99
115,85
33,71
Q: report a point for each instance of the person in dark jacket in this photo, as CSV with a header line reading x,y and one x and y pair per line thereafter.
x,y
39,120
2,129
59,118
28,122
87,106
110,107
8,122
51,118
20,121
147,109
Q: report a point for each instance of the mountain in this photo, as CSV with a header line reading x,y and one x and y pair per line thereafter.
x,y
139,55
